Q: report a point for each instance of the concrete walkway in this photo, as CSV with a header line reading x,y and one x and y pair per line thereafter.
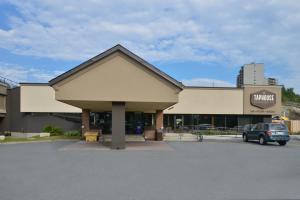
x,y
190,137
237,137
131,145
222,137
295,137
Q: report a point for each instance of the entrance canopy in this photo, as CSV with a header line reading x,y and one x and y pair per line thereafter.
x,y
117,81
117,75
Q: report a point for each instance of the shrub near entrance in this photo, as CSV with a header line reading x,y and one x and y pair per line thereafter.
x,y
53,130
72,133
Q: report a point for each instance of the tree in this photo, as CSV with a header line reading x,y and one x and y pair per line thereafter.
x,y
288,94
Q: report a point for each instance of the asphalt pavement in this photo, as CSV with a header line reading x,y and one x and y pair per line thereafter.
x,y
190,170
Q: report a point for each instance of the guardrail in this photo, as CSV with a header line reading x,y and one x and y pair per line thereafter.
x,y
205,129
8,83
293,104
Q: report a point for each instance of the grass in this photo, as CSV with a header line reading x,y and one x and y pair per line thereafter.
x,y
51,138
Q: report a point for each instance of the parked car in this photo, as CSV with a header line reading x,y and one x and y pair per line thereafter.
x,y
247,128
238,128
222,128
204,127
267,132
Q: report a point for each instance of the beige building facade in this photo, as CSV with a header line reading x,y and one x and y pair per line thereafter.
x,y
205,100
117,81
224,101
191,100
117,78
40,98
267,95
3,94
120,93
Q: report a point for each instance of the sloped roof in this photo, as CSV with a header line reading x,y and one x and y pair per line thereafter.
x,y
117,48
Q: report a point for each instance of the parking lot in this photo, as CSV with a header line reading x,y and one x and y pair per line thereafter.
x,y
185,170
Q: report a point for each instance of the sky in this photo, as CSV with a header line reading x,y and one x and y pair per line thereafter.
x,y
203,42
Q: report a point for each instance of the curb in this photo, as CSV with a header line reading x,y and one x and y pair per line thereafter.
x,y
42,141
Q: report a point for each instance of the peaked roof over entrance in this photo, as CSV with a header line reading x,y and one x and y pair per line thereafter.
x,y
117,75
117,48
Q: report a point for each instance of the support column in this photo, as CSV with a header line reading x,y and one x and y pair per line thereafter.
x,y
85,117
159,123
213,120
118,125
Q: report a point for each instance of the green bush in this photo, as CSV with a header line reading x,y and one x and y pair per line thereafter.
x,y
72,133
47,129
53,130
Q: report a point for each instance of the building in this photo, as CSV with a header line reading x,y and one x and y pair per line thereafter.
x,y
272,81
251,74
3,89
117,91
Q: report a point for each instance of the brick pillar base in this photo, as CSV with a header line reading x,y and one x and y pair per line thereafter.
x,y
159,123
85,117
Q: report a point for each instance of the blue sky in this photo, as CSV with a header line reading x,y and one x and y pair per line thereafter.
x,y
198,42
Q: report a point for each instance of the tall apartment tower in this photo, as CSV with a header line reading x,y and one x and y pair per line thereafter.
x,y
251,74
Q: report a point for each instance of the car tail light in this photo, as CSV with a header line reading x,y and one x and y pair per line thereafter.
x,y
269,133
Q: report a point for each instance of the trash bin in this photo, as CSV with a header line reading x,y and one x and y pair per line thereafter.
x,y
159,135
138,130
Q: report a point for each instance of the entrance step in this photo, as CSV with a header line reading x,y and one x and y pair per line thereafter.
x,y
135,138
180,137
128,138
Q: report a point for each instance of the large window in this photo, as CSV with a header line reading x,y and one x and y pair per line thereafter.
x,y
219,121
169,121
149,120
204,119
231,121
178,121
135,122
101,121
188,120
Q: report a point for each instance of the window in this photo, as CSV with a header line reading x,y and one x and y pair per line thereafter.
x,y
266,127
220,121
278,127
188,120
258,127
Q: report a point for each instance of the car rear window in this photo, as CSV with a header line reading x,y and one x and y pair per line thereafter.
x,y
278,127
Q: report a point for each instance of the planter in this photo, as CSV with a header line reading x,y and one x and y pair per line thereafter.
x,y
44,134
24,135
149,134
91,136
2,137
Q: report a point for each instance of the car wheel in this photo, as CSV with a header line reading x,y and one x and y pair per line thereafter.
x,y
282,143
245,138
262,140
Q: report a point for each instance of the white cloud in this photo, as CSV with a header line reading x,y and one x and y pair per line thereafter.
x,y
205,82
230,32
25,74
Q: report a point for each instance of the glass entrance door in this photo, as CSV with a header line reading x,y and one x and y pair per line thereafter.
x,y
135,122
